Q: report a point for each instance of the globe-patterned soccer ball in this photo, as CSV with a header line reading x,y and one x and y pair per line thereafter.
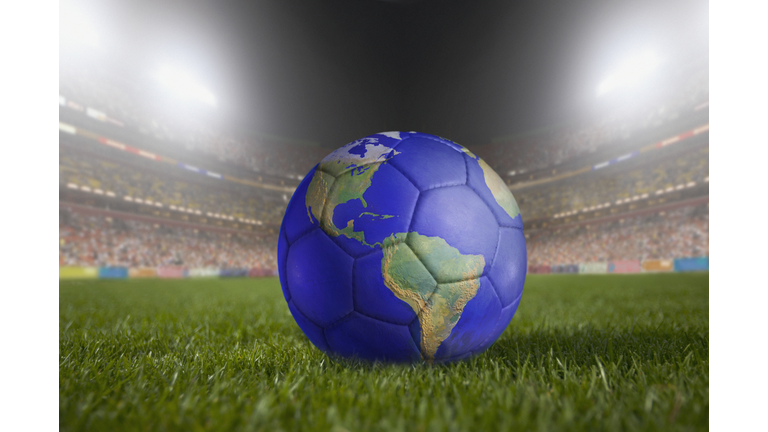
x,y
402,247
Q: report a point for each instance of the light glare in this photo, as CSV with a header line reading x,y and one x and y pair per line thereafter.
x,y
630,72
184,85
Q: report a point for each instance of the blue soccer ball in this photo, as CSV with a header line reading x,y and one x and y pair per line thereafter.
x,y
402,246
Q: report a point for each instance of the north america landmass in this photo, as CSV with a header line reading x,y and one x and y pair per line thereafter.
x,y
345,175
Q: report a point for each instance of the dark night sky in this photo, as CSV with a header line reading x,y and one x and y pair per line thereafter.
x,y
335,70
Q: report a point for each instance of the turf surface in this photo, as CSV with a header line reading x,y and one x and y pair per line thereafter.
x,y
607,352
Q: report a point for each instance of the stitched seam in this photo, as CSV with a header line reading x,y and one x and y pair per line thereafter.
x,y
495,253
381,320
339,320
502,311
405,175
495,291
487,204
444,186
466,168
373,250
305,315
422,265
313,229
443,143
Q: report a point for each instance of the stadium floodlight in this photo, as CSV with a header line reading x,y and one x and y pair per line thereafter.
x,y
630,72
184,85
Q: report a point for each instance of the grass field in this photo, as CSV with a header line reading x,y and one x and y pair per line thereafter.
x,y
608,352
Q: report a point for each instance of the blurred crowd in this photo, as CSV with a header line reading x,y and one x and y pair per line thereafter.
x,y
682,232
148,186
129,104
556,145
86,240
103,241
597,189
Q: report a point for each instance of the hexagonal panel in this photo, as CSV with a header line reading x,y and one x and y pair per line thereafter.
x,y
429,164
319,276
366,338
510,265
461,218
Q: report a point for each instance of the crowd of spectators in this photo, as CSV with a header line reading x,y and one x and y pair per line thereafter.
x,y
682,232
86,240
127,102
146,186
556,145
592,189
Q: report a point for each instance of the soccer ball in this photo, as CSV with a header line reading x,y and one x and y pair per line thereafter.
x,y
401,247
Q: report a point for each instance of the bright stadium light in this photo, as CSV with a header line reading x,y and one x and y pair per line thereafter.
x,y
77,28
184,85
630,72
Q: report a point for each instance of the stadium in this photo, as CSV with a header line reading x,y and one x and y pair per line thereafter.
x,y
171,315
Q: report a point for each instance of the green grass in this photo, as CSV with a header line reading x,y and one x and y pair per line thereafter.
x,y
609,352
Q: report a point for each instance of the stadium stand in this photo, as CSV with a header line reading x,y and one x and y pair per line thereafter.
x,y
555,146
98,95
614,186
93,240
78,171
130,208
681,232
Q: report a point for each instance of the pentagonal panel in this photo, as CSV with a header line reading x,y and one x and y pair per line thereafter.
x,y
461,218
491,188
429,164
319,276
313,332
282,258
405,275
476,322
371,295
509,265
503,322
298,220
366,338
